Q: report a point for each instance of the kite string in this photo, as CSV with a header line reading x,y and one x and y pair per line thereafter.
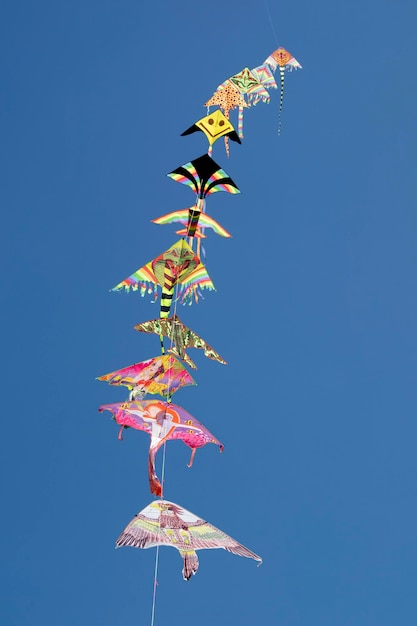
x,y
155,584
155,578
270,22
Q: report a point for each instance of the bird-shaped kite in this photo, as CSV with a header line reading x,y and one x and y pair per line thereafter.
x,y
285,61
194,220
181,338
166,523
163,421
162,375
178,265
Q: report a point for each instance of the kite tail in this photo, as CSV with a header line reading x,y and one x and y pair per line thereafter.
x,y
281,98
190,563
166,300
193,217
226,145
210,150
240,122
154,483
190,464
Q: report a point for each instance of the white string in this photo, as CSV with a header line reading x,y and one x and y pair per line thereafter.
x,y
155,584
155,578
270,21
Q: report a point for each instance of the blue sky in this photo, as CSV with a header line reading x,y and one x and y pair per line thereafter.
x,y
314,311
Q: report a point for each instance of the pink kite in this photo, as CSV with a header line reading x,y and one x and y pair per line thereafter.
x,y
163,421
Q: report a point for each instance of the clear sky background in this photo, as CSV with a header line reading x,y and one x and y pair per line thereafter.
x,y
315,311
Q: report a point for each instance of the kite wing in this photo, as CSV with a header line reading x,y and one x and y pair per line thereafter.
x,y
162,375
182,216
181,338
165,523
163,421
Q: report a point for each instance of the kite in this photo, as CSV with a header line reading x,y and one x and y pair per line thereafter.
x,y
181,338
227,97
163,421
285,61
249,85
204,176
178,265
214,126
166,523
195,220
267,80
162,375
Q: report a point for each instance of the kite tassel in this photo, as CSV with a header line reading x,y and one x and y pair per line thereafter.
x,y
190,563
154,484
190,464
240,122
120,435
